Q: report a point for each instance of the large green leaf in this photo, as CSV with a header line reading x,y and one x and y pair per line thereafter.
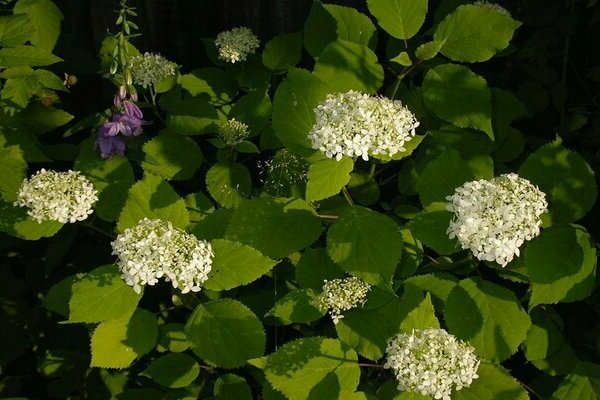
x,y
366,244
235,265
456,94
189,115
101,295
228,183
232,387
313,369
155,199
16,222
436,182
314,267
283,51
174,370
172,156
320,29
438,284
15,30
212,84
421,317
116,343
582,384
567,180
299,305
346,65
475,33
327,177
400,18
26,56
561,263
275,227
353,26
45,17
494,383
13,170
225,333
488,316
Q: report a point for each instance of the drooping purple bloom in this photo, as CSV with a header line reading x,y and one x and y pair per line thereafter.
x,y
109,145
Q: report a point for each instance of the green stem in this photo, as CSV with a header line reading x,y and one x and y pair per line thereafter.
x,y
332,217
347,196
96,229
372,170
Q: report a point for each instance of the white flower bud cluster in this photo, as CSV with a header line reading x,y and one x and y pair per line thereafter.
x,y
57,196
341,295
494,218
236,44
149,68
497,7
356,124
431,362
155,248
233,132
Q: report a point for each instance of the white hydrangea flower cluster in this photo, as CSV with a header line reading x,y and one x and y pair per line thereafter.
x,y
356,124
494,218
57,196
497,7
431,362
149,68
236,44
233,131
155,248
341,295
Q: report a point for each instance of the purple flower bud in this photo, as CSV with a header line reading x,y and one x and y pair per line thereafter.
x,y
109,145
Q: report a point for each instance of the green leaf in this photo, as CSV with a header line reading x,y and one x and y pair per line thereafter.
x,y
254,109
39,119
456,94
353,26
428,50
403,59
16,222
582,384
438,284
155,199
275,227
346,65
15,30
567,180
400,18
237,334
172,156
171,337
173,370
494,383
101,294
13,170
314,267
246,146
435,183
45,16
298,305
488,316
313,368
50,80
235,265
26,56
283,51
366,244
213,226
116,343
228,183
412,254
293,104
320,29
112,179
561,264
189,115
475,33
57,298
422,317
232,387
327,177
19,90
211,84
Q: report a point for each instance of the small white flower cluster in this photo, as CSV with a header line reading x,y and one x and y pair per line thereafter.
x,y
356,124
236,44
149,68
431,362
283,172
341,295
155,248
494,218
57,196
497,7
233,131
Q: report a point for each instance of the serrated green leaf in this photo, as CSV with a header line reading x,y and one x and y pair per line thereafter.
x,y
293,105
422,317
567,180
16,222
346,65
456,94
232,387
239,333
212,84
15,30
213,225
155,199
173,370
313,368
116,343
100,295
327,177
366,244
49,80
246,146
13,169
582,384
299,305
57,298
320,29
400,18
235,265
40,119
283,51
438,284
403,59
228,183
254,109
171,337
353,26
412,254
488,316
274,226
428,50
494,383
561,263
188,115
172,156
26,56
45,16
314,267
475,33
19,90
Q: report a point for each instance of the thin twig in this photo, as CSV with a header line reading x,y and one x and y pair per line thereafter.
x,y
347,196
370,365
324,216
